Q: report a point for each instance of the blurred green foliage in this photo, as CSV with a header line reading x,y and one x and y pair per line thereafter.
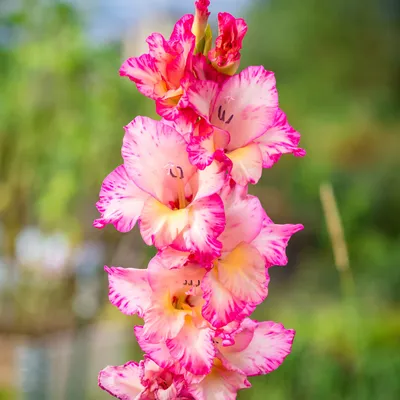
x,y
337,62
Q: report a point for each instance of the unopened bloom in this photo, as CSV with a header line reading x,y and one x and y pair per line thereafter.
x,y
163,73
245,106
175,202
200,20
225,57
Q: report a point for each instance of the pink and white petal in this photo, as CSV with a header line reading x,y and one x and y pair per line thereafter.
x,y
244,215
273,240
169,393
122,381
168,107
159,225
243,273
144,72
121,201
201,96
171,258
246,106
209,181
152,151
129,290
207,222
280,139
247,164
184,123
240,339
270,345
193,348
160,51
184,40
158,352
182,33
163,279
161,383
249,308
221,307
202,148
219,384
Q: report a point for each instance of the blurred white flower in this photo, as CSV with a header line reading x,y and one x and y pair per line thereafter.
x,y
48,253
88,257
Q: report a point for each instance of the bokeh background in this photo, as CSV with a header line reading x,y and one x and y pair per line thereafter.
x,y
62,108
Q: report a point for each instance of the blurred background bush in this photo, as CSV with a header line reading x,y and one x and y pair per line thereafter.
x,y
62,108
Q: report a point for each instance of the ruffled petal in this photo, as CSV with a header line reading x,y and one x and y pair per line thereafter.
x,y
129,290
280,139
158,352
246,106
244,215
161,383
221,307
121,201
156,159
144,72
226,54
164,279
193,348
273,240
270,345
246,164
184,41
207,222
201,96
159,225
202,148
184,123
172,258
243,273
122,381
219,384
160,51
209,181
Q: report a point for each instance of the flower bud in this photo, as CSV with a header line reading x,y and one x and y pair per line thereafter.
x,y
200,23
225,57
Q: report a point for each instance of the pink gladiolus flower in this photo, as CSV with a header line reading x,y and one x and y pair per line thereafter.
x,y
184,180
170,302
163,74
259,347
175,202
146,380
246,106
225,57
220,383
237,281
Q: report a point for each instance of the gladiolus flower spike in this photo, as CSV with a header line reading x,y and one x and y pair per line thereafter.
x,y
184,180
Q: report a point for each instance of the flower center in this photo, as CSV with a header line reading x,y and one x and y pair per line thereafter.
x,y
176,172
187,299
